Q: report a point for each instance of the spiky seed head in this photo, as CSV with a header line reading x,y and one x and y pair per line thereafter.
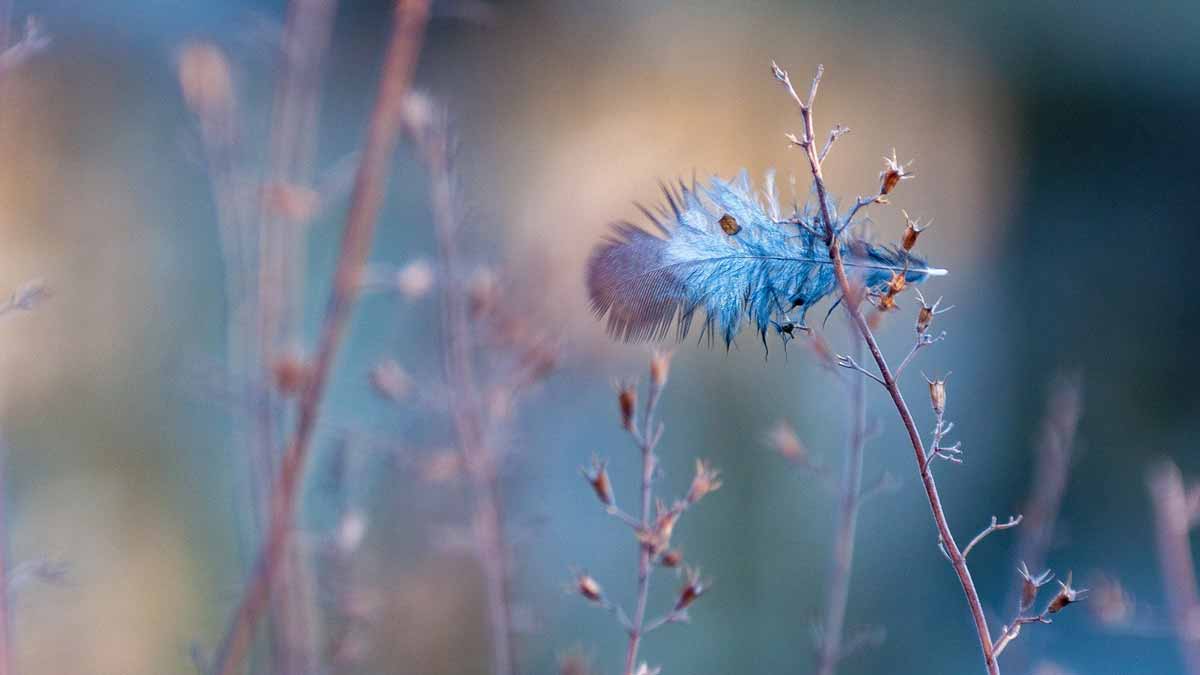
x,y
627,402
937,394
893,172
691,591
1066,595
660,368
1030,584
705,481
597,477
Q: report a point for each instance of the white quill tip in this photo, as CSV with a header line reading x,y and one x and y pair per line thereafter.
x,y
936,272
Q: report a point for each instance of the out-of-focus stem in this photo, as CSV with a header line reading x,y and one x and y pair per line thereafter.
x,y
847,525
479,455
369,188
293,137
1173,518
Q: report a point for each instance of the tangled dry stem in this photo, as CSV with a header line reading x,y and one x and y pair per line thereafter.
x,y
369,188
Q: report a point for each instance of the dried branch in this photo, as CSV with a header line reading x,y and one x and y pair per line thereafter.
x,y
369,188
894,174
653,530
1172,529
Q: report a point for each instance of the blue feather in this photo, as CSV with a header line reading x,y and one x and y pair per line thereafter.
x,y
728,253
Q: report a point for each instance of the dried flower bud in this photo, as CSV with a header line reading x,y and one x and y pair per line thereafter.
x,y
1066,595
658,538
442,466
627,402
729,225
1111,604
705,481
783,438
390,380
924,319
294,203
574,662
821,349
588,587
206,82
597,476
482,290
415,279
351,531
874,319
885,302
660,368
897,283
692,589
671,558
291,372
417,112
893,172
1030,585
937,394
912,230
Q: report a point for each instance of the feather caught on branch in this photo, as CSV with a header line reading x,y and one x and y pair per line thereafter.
x,y
727,252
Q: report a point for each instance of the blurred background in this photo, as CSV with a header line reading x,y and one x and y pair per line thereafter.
x,y
1054,146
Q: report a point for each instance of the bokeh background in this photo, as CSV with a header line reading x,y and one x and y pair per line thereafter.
x,y
1054,144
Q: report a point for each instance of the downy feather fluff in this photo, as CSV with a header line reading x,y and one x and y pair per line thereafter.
x,y
752,264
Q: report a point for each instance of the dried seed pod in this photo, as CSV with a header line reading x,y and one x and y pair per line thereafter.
x,y
588,587
1066,595
671,558
597,477
1030,585
390,380
660,367
785,441
937,394
893,172
912,230
705,481
691,591
627,402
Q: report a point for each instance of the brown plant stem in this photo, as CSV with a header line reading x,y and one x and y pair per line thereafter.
x,y
369,188
647,438
1174,515
849,501
852,305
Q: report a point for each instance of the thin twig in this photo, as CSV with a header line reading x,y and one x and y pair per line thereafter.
x,y
647,440
1172,530
369,189
1012,522
952,551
